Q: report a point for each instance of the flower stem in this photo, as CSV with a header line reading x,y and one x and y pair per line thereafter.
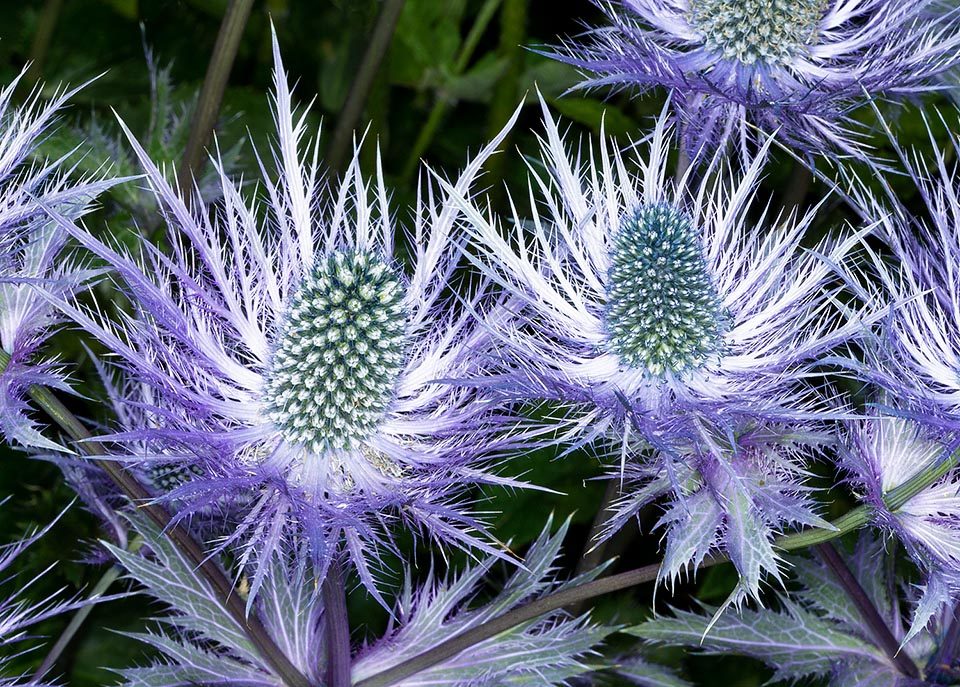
x,y
180,537
360,89
211,93
337,627
853,520
871,616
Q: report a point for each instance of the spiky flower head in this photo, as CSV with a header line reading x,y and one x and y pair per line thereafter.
x,y
916,355
339,353
679,329
792,66
662,310
31,248
287,361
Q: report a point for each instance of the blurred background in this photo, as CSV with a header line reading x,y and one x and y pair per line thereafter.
x,y
430,79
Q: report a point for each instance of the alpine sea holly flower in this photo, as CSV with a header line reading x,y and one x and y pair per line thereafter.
x,y
794,66
285,360
884,454
31,253
680,325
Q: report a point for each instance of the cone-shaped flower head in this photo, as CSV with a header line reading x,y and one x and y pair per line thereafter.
x,y
796,66
284,359
31,255
680,329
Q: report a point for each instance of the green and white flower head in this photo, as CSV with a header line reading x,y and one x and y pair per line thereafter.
x,y
679,323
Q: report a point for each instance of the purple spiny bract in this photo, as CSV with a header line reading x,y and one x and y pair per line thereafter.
x,y
31,255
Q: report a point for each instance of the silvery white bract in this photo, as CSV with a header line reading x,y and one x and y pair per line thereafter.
x,y
792,66
679,325
31,254
887,452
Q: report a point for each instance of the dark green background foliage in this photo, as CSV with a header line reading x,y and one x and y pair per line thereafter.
x,y
437,95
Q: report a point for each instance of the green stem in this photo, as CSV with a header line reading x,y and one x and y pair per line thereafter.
x,y
360,89
856,518
513,26
211,94
443,103
181,538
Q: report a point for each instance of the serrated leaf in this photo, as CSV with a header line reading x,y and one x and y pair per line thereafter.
x,y
173,580
795,642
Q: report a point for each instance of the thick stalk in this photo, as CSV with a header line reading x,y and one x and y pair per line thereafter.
x,y
211,94
183,540
360,88
46,24
593,555
337,627
868,611
797,188
513,31
855,519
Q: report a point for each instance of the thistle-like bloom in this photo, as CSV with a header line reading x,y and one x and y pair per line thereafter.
x,y
884,455
31,254
681,327
284,359
796,66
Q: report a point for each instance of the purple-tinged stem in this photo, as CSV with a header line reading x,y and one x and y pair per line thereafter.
x,y
868,611
337,627
363,82
849,522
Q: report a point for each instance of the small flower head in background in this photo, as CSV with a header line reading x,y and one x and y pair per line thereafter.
x,y
31,255
916,358
884,453
793,66
293,365
679,327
